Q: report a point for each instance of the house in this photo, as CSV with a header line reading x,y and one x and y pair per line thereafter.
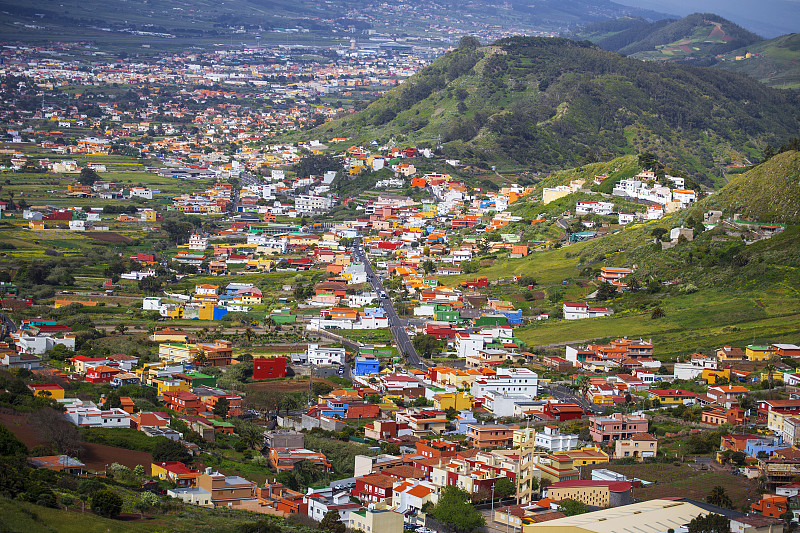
x,y
376,521
321,355
720,415
320,501
269,367
615,427
640,446
756,524
100,374
50,390
490,435
551,439
374,488
726,395
365,365
577,311
87,414
773,506
182,401
59,463
669,397
727,354
226,490
176,472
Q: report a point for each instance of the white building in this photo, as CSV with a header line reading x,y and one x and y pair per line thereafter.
x,y
318,355
550,438
585,207
576,311
198,242
469,344
508,380
87,414
362,299
29,344
626,218
140,192
320,501
312,204
694,368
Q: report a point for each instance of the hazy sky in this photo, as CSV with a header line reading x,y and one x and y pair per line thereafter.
x,y
768,18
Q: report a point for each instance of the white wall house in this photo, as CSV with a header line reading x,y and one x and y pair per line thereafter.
x,y
508,380
576,311
318,355
550,438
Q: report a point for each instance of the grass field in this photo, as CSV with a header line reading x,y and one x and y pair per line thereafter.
x,y
682,481
693,323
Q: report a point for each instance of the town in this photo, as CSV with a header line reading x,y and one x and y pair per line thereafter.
x,y
214,315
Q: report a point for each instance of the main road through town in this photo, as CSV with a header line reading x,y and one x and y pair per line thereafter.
x,y
396,325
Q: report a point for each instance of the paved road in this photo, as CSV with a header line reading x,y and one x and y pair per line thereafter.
x,y
565,394
396,325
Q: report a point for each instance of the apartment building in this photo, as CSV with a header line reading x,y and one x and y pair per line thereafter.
x,y
490,436
508,380
226,490
615,427
594,493
640,446
376,521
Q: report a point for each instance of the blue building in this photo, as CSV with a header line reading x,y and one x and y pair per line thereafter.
x,y
464,418
365,366
337,409
514,317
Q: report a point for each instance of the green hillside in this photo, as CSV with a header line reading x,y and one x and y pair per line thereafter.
x,y
698,38
769,193
775,62
543,104
716,289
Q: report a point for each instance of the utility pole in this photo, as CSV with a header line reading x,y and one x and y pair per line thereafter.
x,y
492,515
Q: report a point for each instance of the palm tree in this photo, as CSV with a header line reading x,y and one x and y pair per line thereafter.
x,y
583,384
770,368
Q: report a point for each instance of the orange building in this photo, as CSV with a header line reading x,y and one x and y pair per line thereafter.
x,y
773,506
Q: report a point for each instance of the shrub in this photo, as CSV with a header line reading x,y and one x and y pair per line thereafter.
x,y
106,503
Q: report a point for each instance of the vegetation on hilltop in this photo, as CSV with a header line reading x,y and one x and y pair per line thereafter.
x,y
775,62
699,37
554,103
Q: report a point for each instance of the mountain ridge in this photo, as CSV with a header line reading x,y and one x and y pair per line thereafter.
x,y
545,104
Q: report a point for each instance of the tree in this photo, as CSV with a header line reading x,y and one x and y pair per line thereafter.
x,y
147,501
719,497
469,42
426,345
606,291
657,313
503,488
88,176
572,507
169,450
710,523
332,523
10,444
106,503
150,285
658,233
455,511
57,431
221,407
428,266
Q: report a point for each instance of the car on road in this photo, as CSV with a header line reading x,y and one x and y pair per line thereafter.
x,y
383,294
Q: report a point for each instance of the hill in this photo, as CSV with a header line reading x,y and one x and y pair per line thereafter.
x,y
768,193
775,62
542,104
698,38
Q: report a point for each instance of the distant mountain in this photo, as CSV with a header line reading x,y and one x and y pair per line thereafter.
x,y
698,38
775,62
167,20
544,104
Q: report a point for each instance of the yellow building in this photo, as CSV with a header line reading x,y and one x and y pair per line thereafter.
x,y
775,421
170,385
376,521
712,376
456,400
49,390
588,455
756,352
179,353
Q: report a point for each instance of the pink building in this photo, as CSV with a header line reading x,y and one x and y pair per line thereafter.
x,y
615,427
